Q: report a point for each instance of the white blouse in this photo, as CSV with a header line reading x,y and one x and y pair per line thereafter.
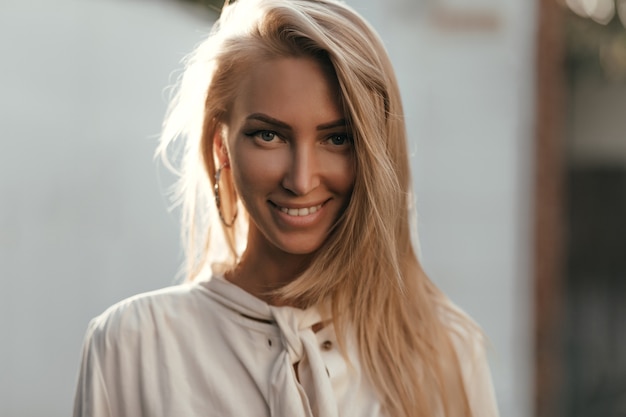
x,y
212,349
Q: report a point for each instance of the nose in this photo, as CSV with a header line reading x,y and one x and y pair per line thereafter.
x,y
303,175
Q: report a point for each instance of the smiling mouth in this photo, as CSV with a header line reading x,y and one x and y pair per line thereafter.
x,y
298,212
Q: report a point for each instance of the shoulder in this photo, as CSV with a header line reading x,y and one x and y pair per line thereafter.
x,y
470,345
118,375
466,335
147,314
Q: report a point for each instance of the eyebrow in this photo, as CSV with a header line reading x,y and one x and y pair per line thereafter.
x,y
278,123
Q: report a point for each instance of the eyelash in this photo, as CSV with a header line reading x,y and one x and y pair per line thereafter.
x,y
347,138
258,134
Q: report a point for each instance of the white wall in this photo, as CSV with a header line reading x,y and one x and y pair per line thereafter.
x,y
83,220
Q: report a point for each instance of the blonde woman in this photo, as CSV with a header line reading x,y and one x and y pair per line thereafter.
x,y
304,294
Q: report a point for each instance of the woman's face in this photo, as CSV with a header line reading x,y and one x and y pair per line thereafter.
x,y
291,154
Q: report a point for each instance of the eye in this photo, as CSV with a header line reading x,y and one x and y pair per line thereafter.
x,y
340,139
265,135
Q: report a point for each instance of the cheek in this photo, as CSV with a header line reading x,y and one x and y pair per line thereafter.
x,y
256,170
350,171
342,170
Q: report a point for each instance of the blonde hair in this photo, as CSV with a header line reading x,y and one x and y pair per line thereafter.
x,y
405,328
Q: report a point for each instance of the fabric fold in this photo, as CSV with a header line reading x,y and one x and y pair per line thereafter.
x,y
302,350
310,396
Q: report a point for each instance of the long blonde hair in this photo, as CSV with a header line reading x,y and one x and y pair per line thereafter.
x,y
367,269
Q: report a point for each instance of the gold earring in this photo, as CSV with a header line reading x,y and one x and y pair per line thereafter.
x,y
218,202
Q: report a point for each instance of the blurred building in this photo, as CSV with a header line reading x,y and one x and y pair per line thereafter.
x,y
595,206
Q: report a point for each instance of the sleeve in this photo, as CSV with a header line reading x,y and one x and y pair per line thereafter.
x,y
478,383
92,398
470,345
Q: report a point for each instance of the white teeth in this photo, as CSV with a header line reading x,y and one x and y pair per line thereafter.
x,y
300,212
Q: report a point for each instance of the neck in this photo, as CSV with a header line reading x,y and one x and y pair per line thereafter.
x,y
261,273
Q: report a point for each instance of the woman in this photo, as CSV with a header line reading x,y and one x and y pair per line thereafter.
x,y
304,294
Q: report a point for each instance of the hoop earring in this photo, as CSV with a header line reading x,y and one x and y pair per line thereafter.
x,y
218,201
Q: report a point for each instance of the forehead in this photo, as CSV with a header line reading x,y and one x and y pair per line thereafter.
x,y
289,89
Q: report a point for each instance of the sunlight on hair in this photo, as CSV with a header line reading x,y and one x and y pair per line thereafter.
x,y
236,19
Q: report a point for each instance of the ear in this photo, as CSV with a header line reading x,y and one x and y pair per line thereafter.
x,y
220,147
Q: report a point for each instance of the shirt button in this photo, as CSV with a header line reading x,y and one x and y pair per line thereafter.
x,y
327,345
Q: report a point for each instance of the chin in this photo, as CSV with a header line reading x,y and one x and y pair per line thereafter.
x,y
300,249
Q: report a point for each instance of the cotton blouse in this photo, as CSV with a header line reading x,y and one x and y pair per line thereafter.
x,y
212,349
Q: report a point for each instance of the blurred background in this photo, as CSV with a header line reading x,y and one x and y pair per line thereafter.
x,y
516,112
